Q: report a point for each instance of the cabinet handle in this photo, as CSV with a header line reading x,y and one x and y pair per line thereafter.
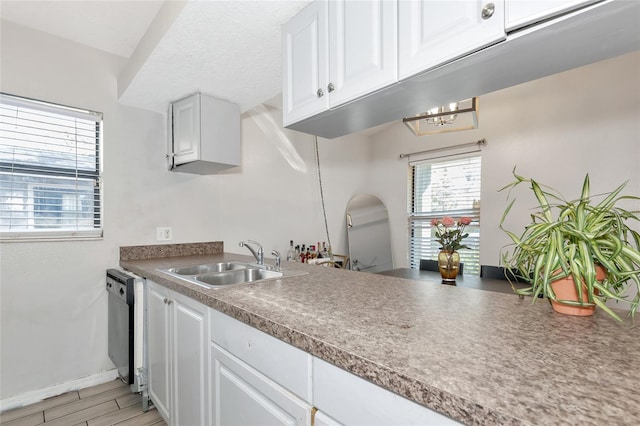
x,y
168,301
320,93
314,410
487,11
331,87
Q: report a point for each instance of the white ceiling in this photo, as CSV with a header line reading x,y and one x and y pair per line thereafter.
x,y
114,26
228,49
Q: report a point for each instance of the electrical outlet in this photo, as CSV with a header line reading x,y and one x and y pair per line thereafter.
x,y
163,233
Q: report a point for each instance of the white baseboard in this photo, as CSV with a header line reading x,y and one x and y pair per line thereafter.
x,y
40,394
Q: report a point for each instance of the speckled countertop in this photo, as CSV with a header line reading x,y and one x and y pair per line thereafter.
x,y
479,357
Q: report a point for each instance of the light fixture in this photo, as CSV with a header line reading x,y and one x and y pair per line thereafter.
x,y
462,115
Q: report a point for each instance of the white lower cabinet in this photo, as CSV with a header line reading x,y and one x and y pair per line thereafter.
x,y
243,396
178,336
321,419
352,400
257,379
206,368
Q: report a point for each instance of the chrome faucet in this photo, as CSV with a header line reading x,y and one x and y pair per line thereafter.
x,y
258,254
276,253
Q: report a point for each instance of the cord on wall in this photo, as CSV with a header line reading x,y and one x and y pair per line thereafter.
x,y
324,211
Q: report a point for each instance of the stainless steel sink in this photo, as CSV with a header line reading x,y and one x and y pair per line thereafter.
x,y
206,268
239,276
222,274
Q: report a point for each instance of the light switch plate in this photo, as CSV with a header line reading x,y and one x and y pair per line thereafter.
x,y
163,233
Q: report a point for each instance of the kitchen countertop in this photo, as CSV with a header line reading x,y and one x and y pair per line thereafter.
x,y
468,281
480,357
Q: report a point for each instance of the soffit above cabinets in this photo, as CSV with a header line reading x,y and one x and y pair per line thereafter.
x,y
227,49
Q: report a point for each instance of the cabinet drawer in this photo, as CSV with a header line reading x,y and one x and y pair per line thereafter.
x,y
352,400
286,365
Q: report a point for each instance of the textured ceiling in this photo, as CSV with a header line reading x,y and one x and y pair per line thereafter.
x,y
228,49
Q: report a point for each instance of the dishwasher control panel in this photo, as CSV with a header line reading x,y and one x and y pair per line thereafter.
x,y
121,285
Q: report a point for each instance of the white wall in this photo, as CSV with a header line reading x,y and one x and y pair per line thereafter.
x,y
555,130
53,302
274,196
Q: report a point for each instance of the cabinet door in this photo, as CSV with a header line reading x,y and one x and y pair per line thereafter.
x,y
190,360
243,396
434,32
321,419
524,12
158,349
305,64
186,130
363,52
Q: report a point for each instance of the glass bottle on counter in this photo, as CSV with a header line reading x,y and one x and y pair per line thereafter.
x,y
325,253
291,254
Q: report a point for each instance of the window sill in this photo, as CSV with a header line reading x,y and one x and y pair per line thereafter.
x,y
50,236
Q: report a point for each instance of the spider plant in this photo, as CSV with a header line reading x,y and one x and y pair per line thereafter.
x,y
568,239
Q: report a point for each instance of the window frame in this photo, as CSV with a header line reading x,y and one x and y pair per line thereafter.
x,y
60,172
425,218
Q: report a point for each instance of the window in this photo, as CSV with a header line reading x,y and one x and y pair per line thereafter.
x,y
444,188
49,171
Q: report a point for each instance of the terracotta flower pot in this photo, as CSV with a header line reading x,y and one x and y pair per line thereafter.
x,y
565,289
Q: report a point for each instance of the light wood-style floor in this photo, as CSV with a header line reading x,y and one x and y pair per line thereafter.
x,y
107,404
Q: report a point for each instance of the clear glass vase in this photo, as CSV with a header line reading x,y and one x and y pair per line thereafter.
x,y
448,263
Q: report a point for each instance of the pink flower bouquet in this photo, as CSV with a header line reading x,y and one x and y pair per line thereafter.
x,y
450,232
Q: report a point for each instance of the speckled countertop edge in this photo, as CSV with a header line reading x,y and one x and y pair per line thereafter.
x,y
170,250
230,301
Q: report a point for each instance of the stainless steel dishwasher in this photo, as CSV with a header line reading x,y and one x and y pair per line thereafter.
x,y
126,329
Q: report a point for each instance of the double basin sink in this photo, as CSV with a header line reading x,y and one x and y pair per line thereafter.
x,y
222,274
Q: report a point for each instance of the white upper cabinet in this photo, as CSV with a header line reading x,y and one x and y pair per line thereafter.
x,y
363,48
305,67
525,12
186,130
446,50
435,32
205,135
336,51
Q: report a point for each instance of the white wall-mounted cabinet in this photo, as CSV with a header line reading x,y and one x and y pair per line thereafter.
x,y
434,32
204,135
304,67
177,356
453,50
336,51
519,13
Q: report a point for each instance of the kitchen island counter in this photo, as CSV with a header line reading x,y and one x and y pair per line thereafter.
x,y
476,356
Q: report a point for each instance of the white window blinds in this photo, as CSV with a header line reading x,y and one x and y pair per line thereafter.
x,y
49,171
440,188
